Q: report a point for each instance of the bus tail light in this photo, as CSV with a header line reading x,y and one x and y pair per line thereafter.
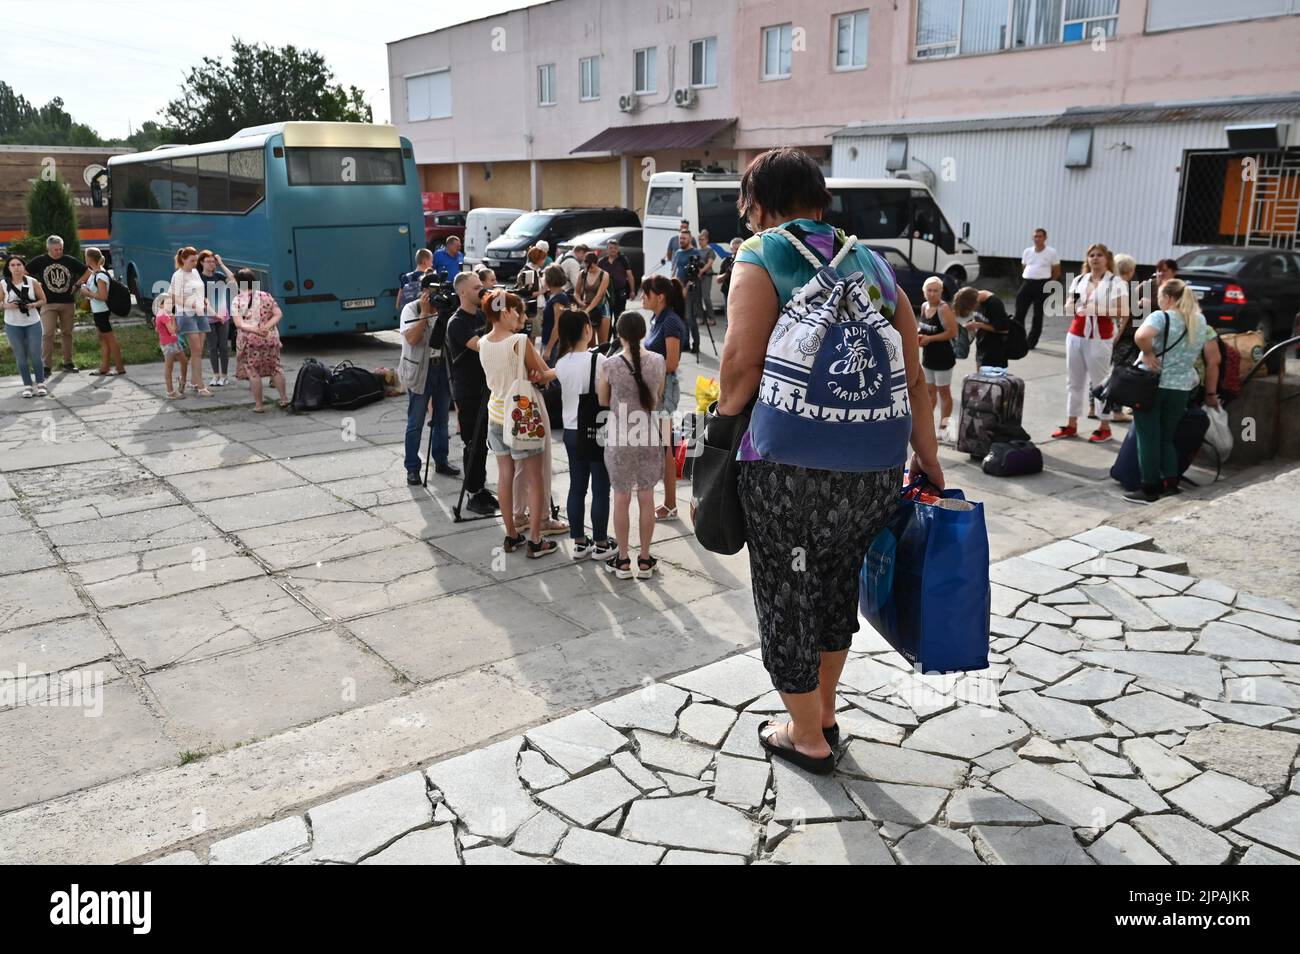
x,y
309,284
1234,295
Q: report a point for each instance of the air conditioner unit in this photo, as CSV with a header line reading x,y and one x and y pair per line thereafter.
x,y
923,176
628,103
685,97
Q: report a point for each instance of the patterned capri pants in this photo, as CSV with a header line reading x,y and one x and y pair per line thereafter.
x,y
807,532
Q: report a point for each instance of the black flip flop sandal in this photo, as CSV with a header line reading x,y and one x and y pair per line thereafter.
x,y
832,735
822,766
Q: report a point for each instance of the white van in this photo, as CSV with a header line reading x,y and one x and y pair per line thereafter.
x,y
893,213
482,226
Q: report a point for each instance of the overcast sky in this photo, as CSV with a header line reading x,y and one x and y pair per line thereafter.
x,y
116,62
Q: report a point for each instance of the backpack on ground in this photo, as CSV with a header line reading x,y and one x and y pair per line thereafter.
x,y
1013,459
834,390
119,298
991,400
350,387
310,388
1017,342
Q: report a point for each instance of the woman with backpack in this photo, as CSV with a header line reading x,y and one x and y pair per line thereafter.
x,y
256,315
938,327
590,289
95,289
577,370
23,297
1170,341
1096,299
807,527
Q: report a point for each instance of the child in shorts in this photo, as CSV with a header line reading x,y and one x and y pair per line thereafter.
x,y
164,323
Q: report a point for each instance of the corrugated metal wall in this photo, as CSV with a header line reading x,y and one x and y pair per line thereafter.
x,y
1007,182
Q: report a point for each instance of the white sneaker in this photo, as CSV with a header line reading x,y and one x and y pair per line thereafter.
x,y
27,392
581,549
215,382
41,391
604,553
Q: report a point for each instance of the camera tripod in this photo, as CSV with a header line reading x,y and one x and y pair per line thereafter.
x,y
695,304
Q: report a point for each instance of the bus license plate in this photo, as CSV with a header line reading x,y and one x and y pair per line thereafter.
x,y
359,303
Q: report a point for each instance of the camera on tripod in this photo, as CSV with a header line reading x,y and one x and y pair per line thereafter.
x,y
442,293
693,266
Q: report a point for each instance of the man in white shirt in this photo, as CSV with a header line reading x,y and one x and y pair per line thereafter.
x,y
571,262
1042,264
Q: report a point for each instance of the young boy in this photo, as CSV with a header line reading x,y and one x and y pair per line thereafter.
x,y
165,324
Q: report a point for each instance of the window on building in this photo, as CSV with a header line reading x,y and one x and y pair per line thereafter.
x,y
896,156
589,78
428,96
851,40
776,51
704,62
1176,14
1078,148
546,85
1084,20
953,27
644,65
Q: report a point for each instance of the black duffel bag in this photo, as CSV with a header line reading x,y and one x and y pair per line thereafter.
x,y
715,491
351,387
311,387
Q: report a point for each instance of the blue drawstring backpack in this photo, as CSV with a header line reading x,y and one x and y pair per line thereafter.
x,y
834,390
924,585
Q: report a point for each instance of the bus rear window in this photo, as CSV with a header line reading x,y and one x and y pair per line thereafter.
x,y
344,166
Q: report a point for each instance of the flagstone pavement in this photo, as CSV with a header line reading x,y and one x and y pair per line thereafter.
x,y
1130,714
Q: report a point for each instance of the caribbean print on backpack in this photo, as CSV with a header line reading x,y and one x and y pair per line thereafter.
x,y
834,390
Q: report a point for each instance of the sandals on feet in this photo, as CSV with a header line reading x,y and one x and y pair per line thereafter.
x,y
665,513
541,548
645,567
621,567
771,730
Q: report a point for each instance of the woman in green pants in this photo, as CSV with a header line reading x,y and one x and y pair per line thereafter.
x,y
1170,341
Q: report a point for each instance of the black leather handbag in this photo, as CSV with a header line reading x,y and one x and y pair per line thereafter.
x,y
1132,386
715,489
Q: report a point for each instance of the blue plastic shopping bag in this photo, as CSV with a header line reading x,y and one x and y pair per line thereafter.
x,y
925,584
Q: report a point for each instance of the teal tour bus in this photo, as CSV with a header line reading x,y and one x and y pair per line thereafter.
x,y
327,215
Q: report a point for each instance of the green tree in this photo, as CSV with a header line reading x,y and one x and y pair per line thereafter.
x,y
262,84
50,211
51,125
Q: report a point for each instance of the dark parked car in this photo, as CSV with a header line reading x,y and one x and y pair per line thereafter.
x,y
440,226
1241,289
911,279
629,243
505,254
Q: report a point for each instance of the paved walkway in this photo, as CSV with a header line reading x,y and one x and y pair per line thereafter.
x,y
1131,714
276,617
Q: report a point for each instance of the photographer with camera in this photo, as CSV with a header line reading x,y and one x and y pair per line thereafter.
x,y
424,372
688,267
469,388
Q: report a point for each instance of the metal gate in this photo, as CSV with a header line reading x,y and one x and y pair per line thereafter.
x,y
1244,199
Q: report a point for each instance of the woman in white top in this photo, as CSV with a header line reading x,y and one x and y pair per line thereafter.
x,y
1096,299
95,290
499,352
23,297
577,370
188,292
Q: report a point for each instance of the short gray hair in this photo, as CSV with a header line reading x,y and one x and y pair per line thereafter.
x,y
53,240
461,279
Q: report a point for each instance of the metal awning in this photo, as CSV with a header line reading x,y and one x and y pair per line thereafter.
x,y
651,137
1235,109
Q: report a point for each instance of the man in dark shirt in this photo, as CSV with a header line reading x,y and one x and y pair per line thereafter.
x,y
556,298
60,275
622,283
469,390
984,315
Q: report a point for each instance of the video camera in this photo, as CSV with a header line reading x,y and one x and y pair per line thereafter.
x,y
442,293
693,266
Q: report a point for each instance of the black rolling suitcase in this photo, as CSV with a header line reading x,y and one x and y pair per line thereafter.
x,y
990,398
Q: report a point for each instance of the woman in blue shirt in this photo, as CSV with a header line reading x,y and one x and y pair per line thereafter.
x,y
1170,341
666,298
